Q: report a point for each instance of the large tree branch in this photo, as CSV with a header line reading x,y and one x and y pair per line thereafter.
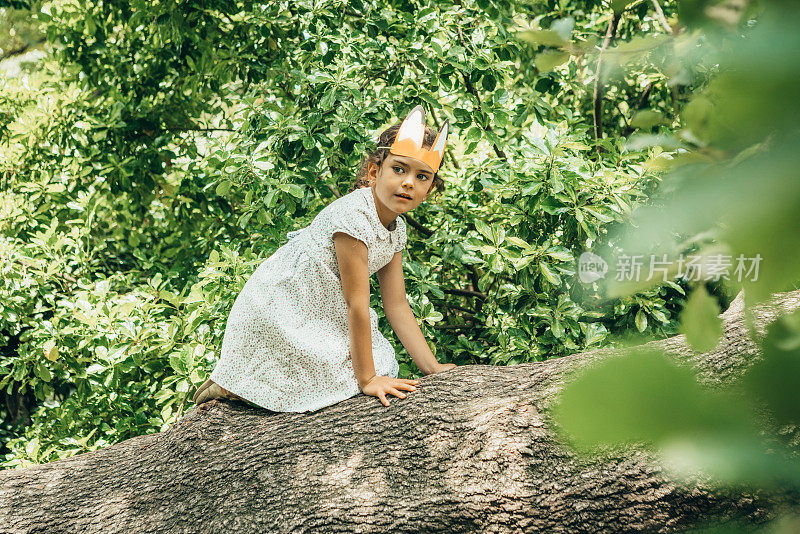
x,y
472,450
418,226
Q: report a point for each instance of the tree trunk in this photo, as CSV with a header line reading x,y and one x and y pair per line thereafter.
x,y
470,451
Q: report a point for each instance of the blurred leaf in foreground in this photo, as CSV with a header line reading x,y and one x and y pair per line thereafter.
x,y
700,320
733,460
741,178
644,397
776,377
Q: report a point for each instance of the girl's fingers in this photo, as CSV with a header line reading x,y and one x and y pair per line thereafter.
x,y
397,393
383,398
408,387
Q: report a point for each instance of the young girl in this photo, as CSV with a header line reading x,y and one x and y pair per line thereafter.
x,y
301,335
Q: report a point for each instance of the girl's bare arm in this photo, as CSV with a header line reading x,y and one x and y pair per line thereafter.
x,y
400,316
351,255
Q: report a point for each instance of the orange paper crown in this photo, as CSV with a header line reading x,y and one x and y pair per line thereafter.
x,y
408,141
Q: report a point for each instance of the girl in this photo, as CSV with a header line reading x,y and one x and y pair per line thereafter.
x,y
301,335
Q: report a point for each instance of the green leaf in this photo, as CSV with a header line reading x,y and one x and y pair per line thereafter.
x,y
531,188
170,297
659,316
433,317
519,242
700,320
552,205
50,350
560,254
484,229
223,187
498,235
675,286
43,372
463,117
263,165
473,134
327,101
296,191
489,82
595,333
640,320
557,328
549,274
187,355
469,259
32,447
176,363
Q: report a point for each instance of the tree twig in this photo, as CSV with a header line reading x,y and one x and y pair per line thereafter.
x,y
645,95
597,95
661,18
451,326
471,89
20,50
466,293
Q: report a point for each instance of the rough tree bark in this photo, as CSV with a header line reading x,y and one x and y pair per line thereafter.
x,y
472,450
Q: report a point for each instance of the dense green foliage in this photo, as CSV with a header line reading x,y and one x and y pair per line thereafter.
x,y
162,150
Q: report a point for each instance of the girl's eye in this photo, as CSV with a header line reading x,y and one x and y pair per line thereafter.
x,y
421,176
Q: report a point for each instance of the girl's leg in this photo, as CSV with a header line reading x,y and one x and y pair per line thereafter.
x,y
230,395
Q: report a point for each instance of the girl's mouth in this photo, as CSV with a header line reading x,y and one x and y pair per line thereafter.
x,y
402,197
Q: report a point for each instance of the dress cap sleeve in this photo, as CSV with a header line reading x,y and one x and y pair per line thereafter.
x,y
352,222
402,237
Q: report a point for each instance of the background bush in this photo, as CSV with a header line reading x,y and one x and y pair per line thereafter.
x,y
159,151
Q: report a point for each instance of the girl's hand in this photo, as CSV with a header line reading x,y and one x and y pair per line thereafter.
x,y
442,367
379,386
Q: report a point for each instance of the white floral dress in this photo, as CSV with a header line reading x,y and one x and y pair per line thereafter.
x,y
286,346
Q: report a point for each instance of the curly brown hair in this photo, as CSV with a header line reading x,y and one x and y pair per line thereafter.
x,y
379,155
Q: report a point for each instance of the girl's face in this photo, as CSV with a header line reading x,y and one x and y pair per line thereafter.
x,y
401,175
